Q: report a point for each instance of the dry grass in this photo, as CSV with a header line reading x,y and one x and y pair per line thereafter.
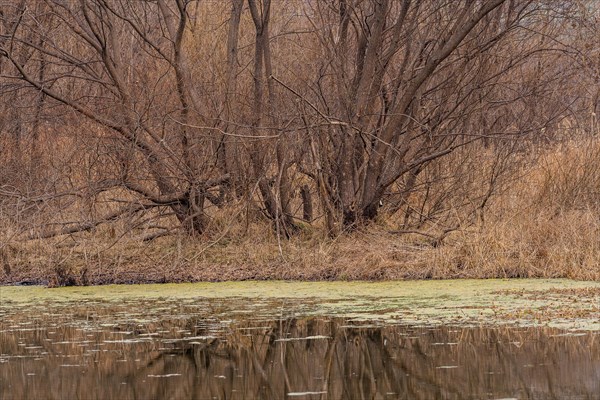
x,y
546,225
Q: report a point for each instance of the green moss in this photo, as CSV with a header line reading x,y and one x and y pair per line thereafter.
x,y
529,302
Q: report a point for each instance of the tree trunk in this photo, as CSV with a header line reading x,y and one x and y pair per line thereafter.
x,y
307,206
190,213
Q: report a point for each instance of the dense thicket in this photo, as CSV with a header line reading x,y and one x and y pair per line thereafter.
x,y
330,112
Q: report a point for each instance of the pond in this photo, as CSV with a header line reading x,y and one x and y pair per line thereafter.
x,y
495,339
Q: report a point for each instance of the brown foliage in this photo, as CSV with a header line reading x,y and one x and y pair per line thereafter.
x,y
335,114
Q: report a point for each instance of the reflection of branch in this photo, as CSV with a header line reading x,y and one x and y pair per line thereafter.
x,y
258,367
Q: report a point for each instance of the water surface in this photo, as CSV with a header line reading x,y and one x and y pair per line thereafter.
x,y
276,340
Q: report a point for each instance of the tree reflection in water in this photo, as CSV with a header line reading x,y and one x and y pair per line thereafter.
x,y
313,358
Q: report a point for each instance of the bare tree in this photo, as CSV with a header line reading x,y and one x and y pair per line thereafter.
x,y
178,107
148,112
403,84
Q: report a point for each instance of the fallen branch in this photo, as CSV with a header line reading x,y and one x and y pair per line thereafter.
x,y
436,240
86,226
155,235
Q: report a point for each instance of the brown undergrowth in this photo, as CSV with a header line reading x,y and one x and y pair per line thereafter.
x,y
549,249
546,225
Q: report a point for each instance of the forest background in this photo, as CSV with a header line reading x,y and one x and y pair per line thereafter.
x,y
186,140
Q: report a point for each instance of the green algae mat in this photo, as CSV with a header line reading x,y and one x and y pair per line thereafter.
x,y
556,303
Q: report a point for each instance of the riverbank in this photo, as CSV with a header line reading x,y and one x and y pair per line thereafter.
x,y
555,248
543,224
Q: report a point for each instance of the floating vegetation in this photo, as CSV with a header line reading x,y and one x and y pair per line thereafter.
x,y
319,340
303,338
297,394
557,303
